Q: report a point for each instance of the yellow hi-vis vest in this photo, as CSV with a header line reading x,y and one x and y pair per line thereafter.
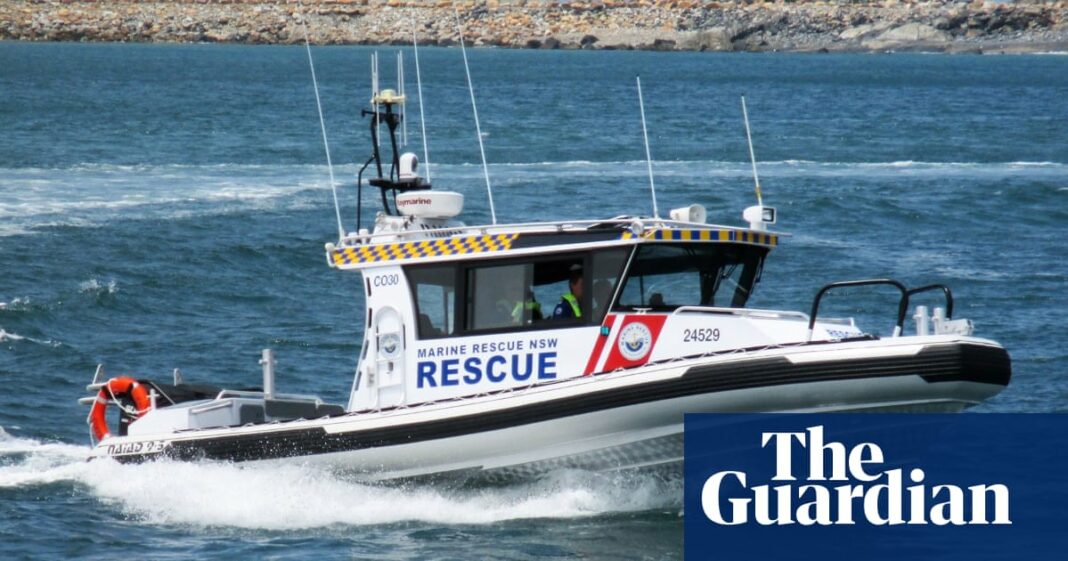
x,y
574,303
527,305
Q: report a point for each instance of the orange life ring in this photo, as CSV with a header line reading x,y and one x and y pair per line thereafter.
x,y
114,389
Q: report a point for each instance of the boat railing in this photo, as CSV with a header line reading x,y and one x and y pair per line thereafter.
x,y
945,291
902,304
756,313
259,394
633,224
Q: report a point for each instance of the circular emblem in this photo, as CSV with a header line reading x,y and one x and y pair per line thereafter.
x,y
389,344
635,341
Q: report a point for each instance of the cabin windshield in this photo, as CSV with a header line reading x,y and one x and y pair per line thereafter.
x,y
663,277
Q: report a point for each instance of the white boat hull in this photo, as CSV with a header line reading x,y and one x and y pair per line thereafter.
x,y
620,420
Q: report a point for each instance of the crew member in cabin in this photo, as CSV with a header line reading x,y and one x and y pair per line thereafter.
x,y
570,303
527,311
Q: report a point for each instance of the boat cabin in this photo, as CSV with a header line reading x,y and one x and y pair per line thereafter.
x,y
495,308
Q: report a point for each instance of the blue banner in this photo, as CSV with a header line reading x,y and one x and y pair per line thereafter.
x,y
876,486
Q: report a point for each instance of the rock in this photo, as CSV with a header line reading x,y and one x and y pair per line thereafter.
x,y
861,31
589,24
908,36
914,32
715,39
625,39
663,45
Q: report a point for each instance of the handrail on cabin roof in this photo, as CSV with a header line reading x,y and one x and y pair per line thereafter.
x,y
535,227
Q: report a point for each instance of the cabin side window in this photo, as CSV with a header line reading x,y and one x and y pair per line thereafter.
x,y
496,296
511,295
543,292
663,277
434,291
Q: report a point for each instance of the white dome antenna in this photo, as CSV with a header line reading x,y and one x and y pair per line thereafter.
x,y
409,164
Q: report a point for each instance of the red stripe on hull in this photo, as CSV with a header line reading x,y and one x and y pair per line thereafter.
x,y
598,347
634,345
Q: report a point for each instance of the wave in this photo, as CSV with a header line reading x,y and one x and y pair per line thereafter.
x,y
89,195
92,194
746,164
155,168
95,287
296,497
315,169
7,336
16,304
26,462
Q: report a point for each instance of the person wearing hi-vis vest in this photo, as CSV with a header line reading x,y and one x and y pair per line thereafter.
x,y
527,311
569,306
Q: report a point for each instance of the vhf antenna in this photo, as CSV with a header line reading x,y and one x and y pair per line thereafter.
x,y
322,124
648,155
374,97
752,155
400,88
474,109
419,90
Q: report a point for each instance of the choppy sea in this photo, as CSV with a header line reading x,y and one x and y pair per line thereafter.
x,y
166,207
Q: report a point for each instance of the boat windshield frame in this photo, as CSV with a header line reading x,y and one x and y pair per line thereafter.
x,y
716,266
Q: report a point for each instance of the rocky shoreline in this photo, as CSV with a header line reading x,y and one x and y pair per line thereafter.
x,y
800,26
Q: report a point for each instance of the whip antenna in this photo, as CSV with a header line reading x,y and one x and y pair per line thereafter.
x,y
419,90
374,98
474,109
400,87
322,124
752,156
648,155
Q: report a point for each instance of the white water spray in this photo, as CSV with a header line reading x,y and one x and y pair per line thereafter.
x,y
291,496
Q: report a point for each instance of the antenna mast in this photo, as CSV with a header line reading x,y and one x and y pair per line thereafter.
x,y
322,124
648,155
752,155
474,109
374,96
419,90
400,87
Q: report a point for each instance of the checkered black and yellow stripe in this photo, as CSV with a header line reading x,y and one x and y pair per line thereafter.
x,y
426,248
708,236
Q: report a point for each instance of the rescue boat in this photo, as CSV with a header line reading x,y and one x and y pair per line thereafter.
x,y
522,348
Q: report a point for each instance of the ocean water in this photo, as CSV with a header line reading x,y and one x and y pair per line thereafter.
x,y
166,207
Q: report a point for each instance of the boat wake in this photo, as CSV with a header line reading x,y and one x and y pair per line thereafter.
x,y
87,195
296,497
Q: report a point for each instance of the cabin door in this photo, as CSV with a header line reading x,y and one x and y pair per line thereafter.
x,y
389,357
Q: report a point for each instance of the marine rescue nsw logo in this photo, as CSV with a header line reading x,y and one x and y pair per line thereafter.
x,y
635,341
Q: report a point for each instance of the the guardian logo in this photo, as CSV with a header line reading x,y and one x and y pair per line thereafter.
x,y
851,489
